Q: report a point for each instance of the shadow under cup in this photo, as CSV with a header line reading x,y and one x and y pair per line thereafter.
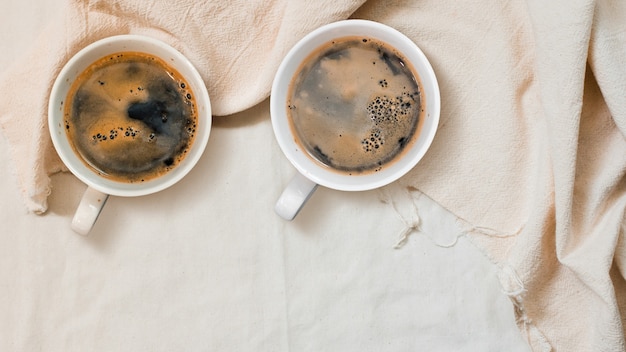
x,y
288,139
96,51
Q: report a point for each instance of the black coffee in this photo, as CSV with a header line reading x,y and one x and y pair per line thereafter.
x,y
355,105
131,117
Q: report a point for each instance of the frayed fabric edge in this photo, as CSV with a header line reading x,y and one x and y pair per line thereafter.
x,y
513,287
510,282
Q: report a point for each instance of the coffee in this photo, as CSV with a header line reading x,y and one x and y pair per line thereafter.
x,y
355,105
130,116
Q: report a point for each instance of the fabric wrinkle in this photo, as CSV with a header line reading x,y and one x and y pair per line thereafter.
x,y
528,161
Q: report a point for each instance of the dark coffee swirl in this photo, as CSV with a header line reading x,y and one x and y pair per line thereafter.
x,y
131,117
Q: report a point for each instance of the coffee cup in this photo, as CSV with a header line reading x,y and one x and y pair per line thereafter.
x,y
128,115
354,106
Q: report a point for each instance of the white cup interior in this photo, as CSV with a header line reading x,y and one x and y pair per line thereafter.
x,y
278,106
78,63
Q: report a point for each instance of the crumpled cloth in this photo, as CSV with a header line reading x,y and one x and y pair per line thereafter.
x,y
530,155
236,46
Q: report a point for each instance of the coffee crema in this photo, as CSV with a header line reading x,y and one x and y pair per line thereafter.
x,y
131,117
355,105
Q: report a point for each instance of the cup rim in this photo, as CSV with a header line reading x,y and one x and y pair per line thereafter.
x,y
91,53
315,171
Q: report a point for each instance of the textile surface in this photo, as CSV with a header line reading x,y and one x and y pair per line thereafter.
x,y
530,155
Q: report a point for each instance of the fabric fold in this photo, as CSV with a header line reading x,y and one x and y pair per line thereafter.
x,y
531,142
531,138
236,47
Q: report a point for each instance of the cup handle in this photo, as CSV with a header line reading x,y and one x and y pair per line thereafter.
x,y
88,210
293,198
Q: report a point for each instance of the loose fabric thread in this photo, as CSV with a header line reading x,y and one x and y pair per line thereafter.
x,y
511,284
414,224
410,225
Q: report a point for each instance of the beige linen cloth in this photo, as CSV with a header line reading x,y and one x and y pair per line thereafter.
x,y
530,155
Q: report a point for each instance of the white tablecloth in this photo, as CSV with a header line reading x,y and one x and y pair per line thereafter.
x,y
207,265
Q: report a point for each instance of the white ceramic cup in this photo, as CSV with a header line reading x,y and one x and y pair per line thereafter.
x,y
311,173
99,187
